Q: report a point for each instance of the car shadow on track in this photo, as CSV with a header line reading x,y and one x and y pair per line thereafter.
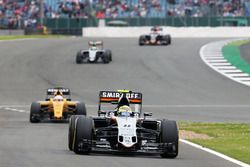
x,y
118,155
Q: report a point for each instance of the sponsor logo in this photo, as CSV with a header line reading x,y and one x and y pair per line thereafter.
x,y
118,95
55,90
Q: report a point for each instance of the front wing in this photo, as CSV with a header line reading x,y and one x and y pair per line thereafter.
x,y
150,148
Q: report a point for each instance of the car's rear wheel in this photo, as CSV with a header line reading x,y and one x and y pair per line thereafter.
x,y
71,131
83,135
81,109
35,112
170,136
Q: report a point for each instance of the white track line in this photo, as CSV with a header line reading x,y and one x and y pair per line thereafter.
x,y
231,71
210,52
215,153
9,106
196,106
215,58
227,67
21,39
240,75
216,61
14,109
220,64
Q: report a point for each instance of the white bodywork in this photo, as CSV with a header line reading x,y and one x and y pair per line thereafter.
x,y
153,37
92,54
127,129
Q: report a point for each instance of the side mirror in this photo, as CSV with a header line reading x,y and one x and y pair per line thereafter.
x,y
101,112
147,114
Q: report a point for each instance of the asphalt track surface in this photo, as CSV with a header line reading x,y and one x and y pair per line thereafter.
x,y
175,83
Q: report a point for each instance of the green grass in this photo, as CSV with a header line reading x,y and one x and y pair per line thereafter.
x,y
231,52
239,43
232,139
12,37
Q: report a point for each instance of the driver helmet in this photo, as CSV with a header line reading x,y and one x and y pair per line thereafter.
x,y
58,98
154,29
94,47
124,111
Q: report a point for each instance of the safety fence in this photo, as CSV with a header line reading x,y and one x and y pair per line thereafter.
x,y
169,21
74,26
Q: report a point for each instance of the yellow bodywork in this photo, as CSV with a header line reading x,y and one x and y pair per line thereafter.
x,y
57,107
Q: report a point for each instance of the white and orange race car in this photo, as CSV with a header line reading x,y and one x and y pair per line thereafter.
x,y
123,129
57,106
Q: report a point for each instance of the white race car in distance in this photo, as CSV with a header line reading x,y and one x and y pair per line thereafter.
x,y
95,53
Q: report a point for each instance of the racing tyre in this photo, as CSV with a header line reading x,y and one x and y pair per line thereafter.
x,y
81,109
165,40
169,134
109,54
83,135
105,59
78,58
35,112
71,131
141,40
169,39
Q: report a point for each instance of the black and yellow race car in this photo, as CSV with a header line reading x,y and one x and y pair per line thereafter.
x,y
155,37
56,106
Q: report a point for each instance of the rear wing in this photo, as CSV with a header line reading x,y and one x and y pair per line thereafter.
x,y
51,92
156,29
114,96
98,44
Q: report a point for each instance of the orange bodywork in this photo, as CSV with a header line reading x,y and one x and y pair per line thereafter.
x,y
57,107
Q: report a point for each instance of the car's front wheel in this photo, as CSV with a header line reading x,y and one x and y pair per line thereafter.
x,y
35,112
109,54
83,135
78,58
141,40
71,131
170,136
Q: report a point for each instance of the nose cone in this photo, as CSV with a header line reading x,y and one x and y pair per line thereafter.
x,y
127,131
92,56
58,109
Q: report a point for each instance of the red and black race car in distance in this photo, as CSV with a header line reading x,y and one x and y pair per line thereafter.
x,y
155,37
57,106
122,127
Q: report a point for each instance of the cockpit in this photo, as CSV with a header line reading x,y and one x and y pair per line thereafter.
x,y
125,111
93,48
58,98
